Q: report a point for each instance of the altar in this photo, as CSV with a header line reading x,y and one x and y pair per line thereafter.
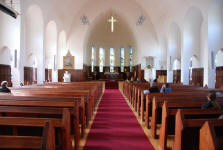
x,y
111,75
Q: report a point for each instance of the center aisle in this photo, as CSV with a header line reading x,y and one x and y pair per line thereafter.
x,y
115,127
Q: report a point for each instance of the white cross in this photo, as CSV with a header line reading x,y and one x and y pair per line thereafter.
x,y
112,20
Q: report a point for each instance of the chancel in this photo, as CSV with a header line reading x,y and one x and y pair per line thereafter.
x,y
111,74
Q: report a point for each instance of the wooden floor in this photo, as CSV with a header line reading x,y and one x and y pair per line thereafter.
x,y
154,142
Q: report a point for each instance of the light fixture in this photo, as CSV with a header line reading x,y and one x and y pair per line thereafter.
x,y
140,20
8,10
84,20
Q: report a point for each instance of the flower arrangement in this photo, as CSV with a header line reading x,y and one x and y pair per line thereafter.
x,y
149,66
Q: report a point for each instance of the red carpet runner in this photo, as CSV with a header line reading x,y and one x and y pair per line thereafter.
x,y
115,127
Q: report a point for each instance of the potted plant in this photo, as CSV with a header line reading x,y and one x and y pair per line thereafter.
x,y
149,67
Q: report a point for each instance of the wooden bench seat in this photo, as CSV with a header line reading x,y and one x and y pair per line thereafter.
x,y
86,104
185,102
22,117
147,98
93,91
169,111
187,130
46,142
44,109
160,98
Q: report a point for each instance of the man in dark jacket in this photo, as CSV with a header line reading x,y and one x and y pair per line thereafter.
x,y
4,87
154,88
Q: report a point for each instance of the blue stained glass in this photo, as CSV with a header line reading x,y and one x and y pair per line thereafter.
x,y
122,58
92,58
101,59
130,58
112,59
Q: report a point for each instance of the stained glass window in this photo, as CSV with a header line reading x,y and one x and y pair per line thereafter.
x,y
122,58
130,58
92,58
101,59
112,59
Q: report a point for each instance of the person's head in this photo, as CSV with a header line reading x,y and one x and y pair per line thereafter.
x,y
21,84
154,84
167,85
4,84
211,96
155,80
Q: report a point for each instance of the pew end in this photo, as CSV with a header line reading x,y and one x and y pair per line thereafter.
x,y
208,138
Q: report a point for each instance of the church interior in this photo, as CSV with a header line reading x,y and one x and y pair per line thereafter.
x,y
111,74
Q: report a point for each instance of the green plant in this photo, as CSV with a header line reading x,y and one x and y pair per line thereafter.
x,y
149,67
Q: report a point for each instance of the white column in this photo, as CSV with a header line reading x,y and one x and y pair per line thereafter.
x,y
185,63
169,76
209,74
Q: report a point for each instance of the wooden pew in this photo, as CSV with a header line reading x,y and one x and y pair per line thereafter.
x,y
139,103
86,104
127,90
210,138
187,130
66,90
162,96
150,96
165,96
54,98
61,118
98,85
48,109
96,88
169,111
177,102
46,142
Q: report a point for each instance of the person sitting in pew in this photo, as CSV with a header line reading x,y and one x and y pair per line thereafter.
x,y
21,84
165,88
4,87
153,89
212,103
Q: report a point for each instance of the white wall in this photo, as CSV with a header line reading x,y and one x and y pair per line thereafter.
x,y
199,26
101,36
34,36
146,40
219,59
195,62
51,49
10,41
176,64
62,49
174,49
191,40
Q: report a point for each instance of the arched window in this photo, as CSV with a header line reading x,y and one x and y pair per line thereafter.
x,y
130,58
101,59
112,59
92,58
122,58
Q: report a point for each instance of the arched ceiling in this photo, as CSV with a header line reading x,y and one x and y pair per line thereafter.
x,y
145,34
159,11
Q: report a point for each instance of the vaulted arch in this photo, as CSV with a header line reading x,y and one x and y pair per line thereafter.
x,y
34,35
50,44
62,48
51,49
130,11
191,40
